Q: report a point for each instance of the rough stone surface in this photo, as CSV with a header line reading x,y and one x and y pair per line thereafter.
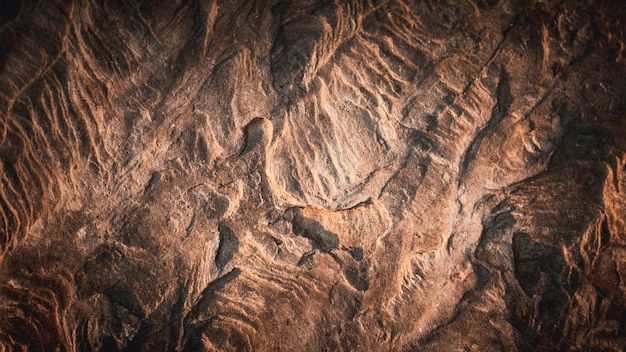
x,y
312,175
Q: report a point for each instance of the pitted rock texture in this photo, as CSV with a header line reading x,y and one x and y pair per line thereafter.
x,y
312,175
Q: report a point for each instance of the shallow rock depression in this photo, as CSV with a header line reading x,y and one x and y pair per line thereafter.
x,y
312,175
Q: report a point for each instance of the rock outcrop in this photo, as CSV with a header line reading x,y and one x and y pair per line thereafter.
x,y
368,175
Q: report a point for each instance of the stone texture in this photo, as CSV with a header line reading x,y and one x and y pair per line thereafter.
x,y
310,175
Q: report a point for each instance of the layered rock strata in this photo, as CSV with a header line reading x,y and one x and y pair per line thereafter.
x,y
361,175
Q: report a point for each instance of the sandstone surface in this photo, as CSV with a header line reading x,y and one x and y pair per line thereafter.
x,y
312,175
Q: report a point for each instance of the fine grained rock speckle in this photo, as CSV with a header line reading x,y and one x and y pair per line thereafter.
x,y
312,175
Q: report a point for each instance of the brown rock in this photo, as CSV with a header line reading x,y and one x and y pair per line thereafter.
x,y
312,175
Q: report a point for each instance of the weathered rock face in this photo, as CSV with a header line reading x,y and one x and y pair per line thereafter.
x,y
312,175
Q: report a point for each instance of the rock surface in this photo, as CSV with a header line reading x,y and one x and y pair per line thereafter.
x,y
307,175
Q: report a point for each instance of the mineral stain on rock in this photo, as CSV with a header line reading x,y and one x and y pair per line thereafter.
x,y
370,175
